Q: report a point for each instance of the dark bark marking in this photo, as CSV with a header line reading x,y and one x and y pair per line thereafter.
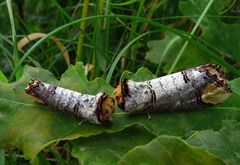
x,y
125,88
153,95
99,107
76,108
50,91
124,93
185,77
219,78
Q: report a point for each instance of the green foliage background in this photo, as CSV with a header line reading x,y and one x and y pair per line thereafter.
x,y
132,39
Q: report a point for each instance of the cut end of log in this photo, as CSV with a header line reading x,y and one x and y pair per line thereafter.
x,y
215,72
119,96
31,89
32,84
120,93
218,91
105,110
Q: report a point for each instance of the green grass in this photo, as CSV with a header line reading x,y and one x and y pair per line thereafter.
x,y
193,31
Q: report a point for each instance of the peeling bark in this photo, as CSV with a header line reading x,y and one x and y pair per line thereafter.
x,y
198,87
97,109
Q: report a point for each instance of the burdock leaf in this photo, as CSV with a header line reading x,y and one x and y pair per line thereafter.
x,y
108,148
105,147
223,143
31,126
168,150
142,74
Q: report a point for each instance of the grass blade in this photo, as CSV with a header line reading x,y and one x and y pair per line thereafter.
x,y
120,54
182,34
82,27
192,32
14,39
3,78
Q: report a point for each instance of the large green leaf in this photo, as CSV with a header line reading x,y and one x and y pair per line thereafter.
x,y
31,126
109,148
223,143
167,150
142,74
176,123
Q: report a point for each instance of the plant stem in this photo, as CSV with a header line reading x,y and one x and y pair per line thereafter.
x,y
14,39
82,27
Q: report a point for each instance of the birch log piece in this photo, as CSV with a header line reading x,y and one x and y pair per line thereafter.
x,y
97,109
193,88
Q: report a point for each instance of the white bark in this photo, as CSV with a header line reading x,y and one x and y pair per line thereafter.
x,y
194,88
97,109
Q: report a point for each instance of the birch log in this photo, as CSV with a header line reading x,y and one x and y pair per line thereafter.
x,y
97,109
193,88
